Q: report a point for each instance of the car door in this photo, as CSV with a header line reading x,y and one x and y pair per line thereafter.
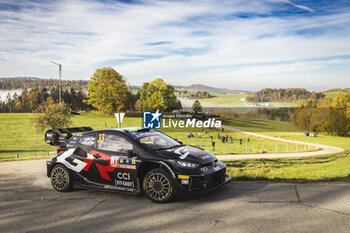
x,y
112,162
81,152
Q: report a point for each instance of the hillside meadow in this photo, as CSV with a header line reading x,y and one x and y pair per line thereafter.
x,y
334,167
230,101
18,135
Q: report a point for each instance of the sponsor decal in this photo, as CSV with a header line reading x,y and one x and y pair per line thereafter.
x,y
121,162
124,179
114,161
183,177
77,164
183,152
103,170
185,182
123,176
127,163
143,134
151,120
188,150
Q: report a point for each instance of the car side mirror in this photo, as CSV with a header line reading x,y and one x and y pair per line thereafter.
x,y
180,142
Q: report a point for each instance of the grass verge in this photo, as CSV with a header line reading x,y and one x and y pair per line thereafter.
x,y
335,167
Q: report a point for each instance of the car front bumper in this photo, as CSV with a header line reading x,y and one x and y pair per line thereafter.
x,y
205,182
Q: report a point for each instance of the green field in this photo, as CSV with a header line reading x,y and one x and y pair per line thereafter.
x,y
332,94
322,168
229,100
17,135
234,101
334,167
285,130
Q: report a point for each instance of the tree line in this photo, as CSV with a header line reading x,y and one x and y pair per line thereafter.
x,y
106,91
109,93
28,83
200,95
325,115
283,95
29,101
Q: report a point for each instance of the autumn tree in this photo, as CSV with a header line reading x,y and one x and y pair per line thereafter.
x,y
107,91
51,115
158,95
325,115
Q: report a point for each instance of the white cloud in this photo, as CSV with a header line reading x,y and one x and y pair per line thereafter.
x,y
85,35
300,6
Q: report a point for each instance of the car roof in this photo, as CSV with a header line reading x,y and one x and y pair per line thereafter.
x,y
125,130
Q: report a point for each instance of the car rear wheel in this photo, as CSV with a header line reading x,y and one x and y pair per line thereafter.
x,y
60,178
158,187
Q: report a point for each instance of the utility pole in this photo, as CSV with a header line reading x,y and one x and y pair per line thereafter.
x,y
59,79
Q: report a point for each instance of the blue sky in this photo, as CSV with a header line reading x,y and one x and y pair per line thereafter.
x,y
235,44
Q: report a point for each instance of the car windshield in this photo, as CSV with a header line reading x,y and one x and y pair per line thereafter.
x,y
155,140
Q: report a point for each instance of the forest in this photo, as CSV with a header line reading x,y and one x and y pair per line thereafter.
x,y
200,95
29,100
283,95
326,115
152,96
28,83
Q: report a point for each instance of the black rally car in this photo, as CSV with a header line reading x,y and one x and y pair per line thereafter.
x,y
131,160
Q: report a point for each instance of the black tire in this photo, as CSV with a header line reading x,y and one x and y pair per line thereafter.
x,y
158,186
61,178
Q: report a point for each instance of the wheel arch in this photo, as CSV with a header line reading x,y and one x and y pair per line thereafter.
x,y
147,166
54,164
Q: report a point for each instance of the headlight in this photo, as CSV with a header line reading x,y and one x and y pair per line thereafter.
x,y
186,164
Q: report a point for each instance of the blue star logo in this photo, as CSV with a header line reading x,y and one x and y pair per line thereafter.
x,y
151,119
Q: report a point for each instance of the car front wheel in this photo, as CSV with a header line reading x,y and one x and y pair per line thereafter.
x,y
60,178
158,187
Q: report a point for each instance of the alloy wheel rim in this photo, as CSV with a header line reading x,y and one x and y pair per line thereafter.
x,y
59,178
158,186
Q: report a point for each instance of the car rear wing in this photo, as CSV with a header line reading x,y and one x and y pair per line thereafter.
x,y
59,137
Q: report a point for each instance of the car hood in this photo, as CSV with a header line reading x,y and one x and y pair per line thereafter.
x,y
189,154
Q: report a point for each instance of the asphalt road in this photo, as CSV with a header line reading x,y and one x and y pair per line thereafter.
x,y
28,203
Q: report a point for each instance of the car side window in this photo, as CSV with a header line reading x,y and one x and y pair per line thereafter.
x,y
112,142
88,140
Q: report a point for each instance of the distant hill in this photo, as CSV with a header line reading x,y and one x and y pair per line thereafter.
x,y
9,83
201,87
30,82
283,95
19,78
338,90
134,87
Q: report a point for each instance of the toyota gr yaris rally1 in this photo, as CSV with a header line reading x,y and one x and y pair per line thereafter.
x,y
131,160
